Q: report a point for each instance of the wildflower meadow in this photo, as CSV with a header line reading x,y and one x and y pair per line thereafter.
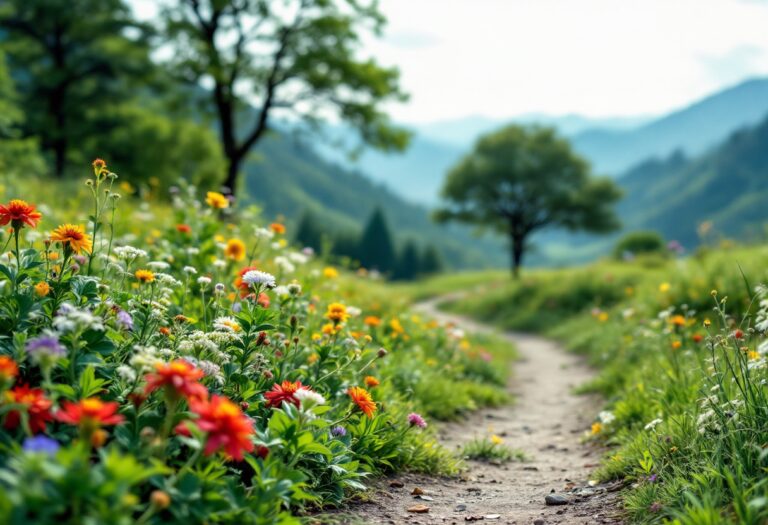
x,y
185,364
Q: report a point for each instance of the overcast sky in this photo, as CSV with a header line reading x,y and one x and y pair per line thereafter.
x,y
501,58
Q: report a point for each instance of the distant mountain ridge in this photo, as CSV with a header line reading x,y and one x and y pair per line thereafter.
x,y
693,129
612,145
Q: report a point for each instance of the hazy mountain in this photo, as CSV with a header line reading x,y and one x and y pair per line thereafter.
x,y
692,129
728,186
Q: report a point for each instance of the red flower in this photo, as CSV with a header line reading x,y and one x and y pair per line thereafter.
x,y
697,338
244,288
738,334
19,213
227,427
178,377
284,392
183,228
91,413
37,406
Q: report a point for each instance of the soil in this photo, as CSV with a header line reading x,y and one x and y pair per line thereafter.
x,y
547,421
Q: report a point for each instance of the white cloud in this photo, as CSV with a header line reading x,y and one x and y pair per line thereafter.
x,y
595,57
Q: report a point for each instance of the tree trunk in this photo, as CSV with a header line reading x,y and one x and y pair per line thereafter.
x,y
517,247
233,168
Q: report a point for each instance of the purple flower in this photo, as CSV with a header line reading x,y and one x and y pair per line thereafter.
x,y
124,320
338,431
415,420
47,345
652,478
41,444
655,507
237,307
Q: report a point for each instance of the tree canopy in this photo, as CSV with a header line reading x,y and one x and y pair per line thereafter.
x,y
521,179
297,58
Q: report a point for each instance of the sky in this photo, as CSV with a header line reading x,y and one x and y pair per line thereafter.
x,y
597,58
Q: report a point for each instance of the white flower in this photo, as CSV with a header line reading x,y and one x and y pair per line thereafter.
x,y
190,270
158,265
308,398
226,324
652,424
204,281
298,258
129,252
126,373
284,264
263,233
257,277
605,417
354,311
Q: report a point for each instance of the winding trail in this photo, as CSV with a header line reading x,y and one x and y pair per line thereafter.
x,y
547,422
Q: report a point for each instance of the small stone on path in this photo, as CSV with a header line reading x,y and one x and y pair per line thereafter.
x,y
555,499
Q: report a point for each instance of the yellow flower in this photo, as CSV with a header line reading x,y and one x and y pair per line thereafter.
x,y
676,345
330,272
72,237
144,276
330,329
707,322
337,313
396,326
753,355
664,287
496,440
235,250
597,428
602,317
312,359
42,289
316,336
53,256
216,200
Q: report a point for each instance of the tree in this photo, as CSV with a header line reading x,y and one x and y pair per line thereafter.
x,y
408,264
297,58
308,233
70,58
521,179
18,156
376,247
431,262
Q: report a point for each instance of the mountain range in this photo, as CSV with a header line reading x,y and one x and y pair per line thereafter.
x,y
612,145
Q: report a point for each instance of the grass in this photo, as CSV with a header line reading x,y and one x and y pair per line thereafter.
x,y
491,449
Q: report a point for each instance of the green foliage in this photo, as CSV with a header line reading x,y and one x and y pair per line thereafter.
x,y
71,60
639,243
521,179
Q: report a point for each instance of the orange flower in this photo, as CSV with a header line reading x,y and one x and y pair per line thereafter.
x,y
337,313
216,200
676,345
677,320
362,398
42,289
235,250
372,321
99,165
178,377
144,276
697,338
73,237
36,405
227,427
89,413
19,213
8,368
277,228
183,228
371,382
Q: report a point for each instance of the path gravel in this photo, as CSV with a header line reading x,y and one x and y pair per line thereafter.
x,y
547,422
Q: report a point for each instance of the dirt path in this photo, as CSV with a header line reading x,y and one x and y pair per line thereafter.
x,y
547,422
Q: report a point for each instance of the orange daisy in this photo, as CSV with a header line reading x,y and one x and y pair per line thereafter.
x,y
73,237
362,398
235,250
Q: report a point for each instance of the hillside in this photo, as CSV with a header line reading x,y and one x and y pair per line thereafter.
x,y
728,186
692,129
287,177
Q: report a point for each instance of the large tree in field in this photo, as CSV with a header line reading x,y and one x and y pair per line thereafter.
x,y
70,59
521,179
293,59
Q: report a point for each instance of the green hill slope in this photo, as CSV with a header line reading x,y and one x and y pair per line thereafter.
x,y
288,178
